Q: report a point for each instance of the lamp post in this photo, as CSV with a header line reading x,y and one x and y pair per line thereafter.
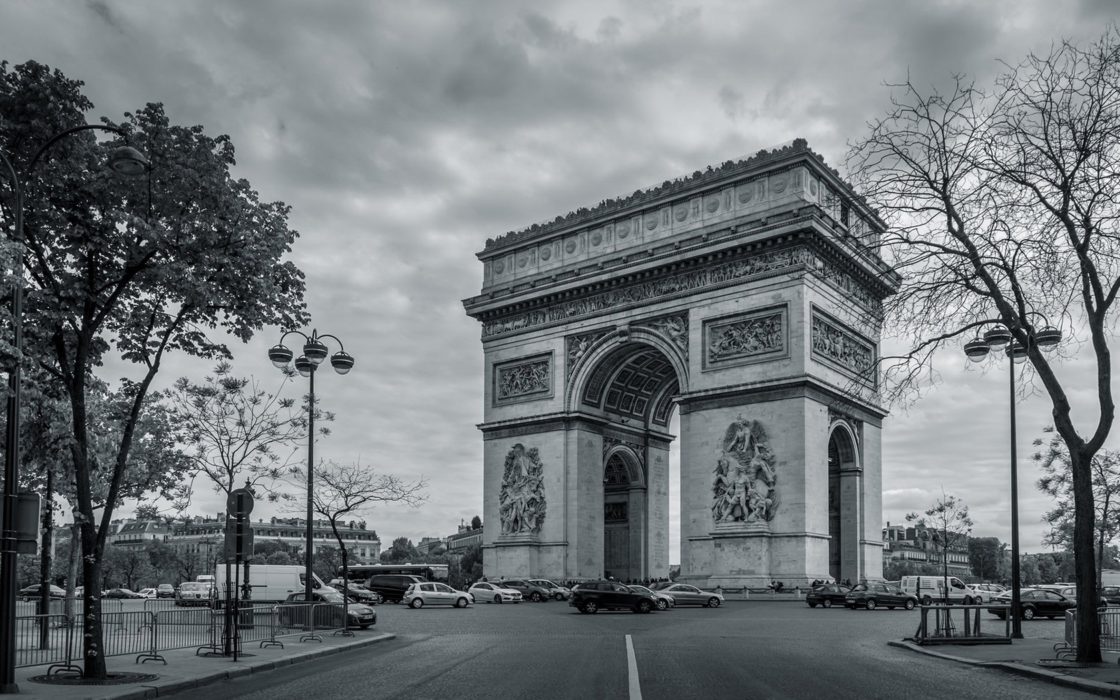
x,y
314,352
977,349
124,160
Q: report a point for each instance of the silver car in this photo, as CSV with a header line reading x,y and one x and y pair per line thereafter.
x,y
664,600
557,591
420,594
685,594
484,591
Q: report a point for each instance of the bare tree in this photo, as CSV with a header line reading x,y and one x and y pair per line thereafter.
x,y
947,525
238,432
1057,482
1002,207
350,489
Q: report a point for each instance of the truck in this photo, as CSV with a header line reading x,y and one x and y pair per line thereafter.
x,y
931,589
268,583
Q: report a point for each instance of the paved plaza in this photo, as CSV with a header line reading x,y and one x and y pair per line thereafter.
x,y
756,649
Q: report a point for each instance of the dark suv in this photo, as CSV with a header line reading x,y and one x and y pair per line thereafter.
x,y
529,591
391,587
593,596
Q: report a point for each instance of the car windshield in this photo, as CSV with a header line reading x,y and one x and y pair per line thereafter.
x,y
194,587
331,596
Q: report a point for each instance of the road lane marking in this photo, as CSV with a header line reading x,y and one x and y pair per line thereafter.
x,y
632,667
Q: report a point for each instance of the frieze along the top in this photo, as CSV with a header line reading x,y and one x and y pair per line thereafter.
x,y
607,207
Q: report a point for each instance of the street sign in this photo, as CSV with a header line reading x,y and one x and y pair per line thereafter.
x,y
27,508
239,540
240,502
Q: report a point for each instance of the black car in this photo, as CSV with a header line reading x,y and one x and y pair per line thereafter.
x,y
326,610
609,595
1037,602
1111,595
875,594
826,595
391,587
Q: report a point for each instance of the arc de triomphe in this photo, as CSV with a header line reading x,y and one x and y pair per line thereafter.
x,y
746,296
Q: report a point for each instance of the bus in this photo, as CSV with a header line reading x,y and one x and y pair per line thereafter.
x,y
431,572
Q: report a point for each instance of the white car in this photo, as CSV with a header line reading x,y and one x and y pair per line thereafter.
x,y
147,592
984,592
493,593
420,594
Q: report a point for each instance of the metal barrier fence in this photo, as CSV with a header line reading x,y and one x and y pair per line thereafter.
x,y
961,624
1109,634
57,639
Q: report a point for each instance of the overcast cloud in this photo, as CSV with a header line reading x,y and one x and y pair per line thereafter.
x,y
404,135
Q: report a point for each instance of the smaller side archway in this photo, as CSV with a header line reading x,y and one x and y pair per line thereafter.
x,y
844,503
625,504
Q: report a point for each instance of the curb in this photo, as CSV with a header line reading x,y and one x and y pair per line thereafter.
x,y
1021,669
159,690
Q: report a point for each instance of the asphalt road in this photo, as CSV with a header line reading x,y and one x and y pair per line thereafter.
x,y
741,650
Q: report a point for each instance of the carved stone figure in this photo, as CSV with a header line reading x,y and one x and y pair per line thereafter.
x,y
521,501
743,489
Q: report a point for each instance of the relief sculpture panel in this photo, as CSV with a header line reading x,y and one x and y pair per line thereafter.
x,y
521,501
760,335
522,380
744,486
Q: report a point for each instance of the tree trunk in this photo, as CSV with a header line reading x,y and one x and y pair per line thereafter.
x,y
1084,513
93,651
72,577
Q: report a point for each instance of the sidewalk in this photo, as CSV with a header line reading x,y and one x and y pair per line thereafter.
x,y
185,670
1034,658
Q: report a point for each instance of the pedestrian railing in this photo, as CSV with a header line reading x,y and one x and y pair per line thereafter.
x,y
1109,625
56,640
962,624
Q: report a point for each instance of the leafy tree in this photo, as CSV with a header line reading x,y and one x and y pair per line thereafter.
x,y
984,557
126,567
895,569
137,268
947,525
1000,206
402,550
262,549
279,558
470,564
326,562
1056,481
476,523
146,511
1029,571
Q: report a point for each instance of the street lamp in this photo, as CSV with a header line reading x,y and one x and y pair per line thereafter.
x,y
124,160
977,349
314,352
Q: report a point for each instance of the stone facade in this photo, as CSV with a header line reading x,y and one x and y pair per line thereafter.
x,y
747,298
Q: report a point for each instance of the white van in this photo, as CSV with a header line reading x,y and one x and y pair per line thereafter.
x,y
268,582
931,589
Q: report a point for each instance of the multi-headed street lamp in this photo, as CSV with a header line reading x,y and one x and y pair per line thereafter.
x,y
977,349
124,160
314,352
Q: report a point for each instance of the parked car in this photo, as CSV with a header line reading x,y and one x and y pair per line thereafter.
x,y
420,594
120,593
664,600
1037,602
195,593
874,594
32,592
361,594
591,597
165,590
146,593
685,594
392,587
984,592
296,612
493,593
556,590
1111,595
529,590
826,595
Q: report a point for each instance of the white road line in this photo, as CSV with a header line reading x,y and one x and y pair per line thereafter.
x,y
632,667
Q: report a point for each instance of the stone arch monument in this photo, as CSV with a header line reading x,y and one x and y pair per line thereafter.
x,y
748,298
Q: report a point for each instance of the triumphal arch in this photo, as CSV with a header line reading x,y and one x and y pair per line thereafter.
x,y
745,296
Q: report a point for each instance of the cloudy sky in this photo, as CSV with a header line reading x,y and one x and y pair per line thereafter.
x,y
404,135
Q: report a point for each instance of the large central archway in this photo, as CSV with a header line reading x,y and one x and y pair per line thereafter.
x,y
745,301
